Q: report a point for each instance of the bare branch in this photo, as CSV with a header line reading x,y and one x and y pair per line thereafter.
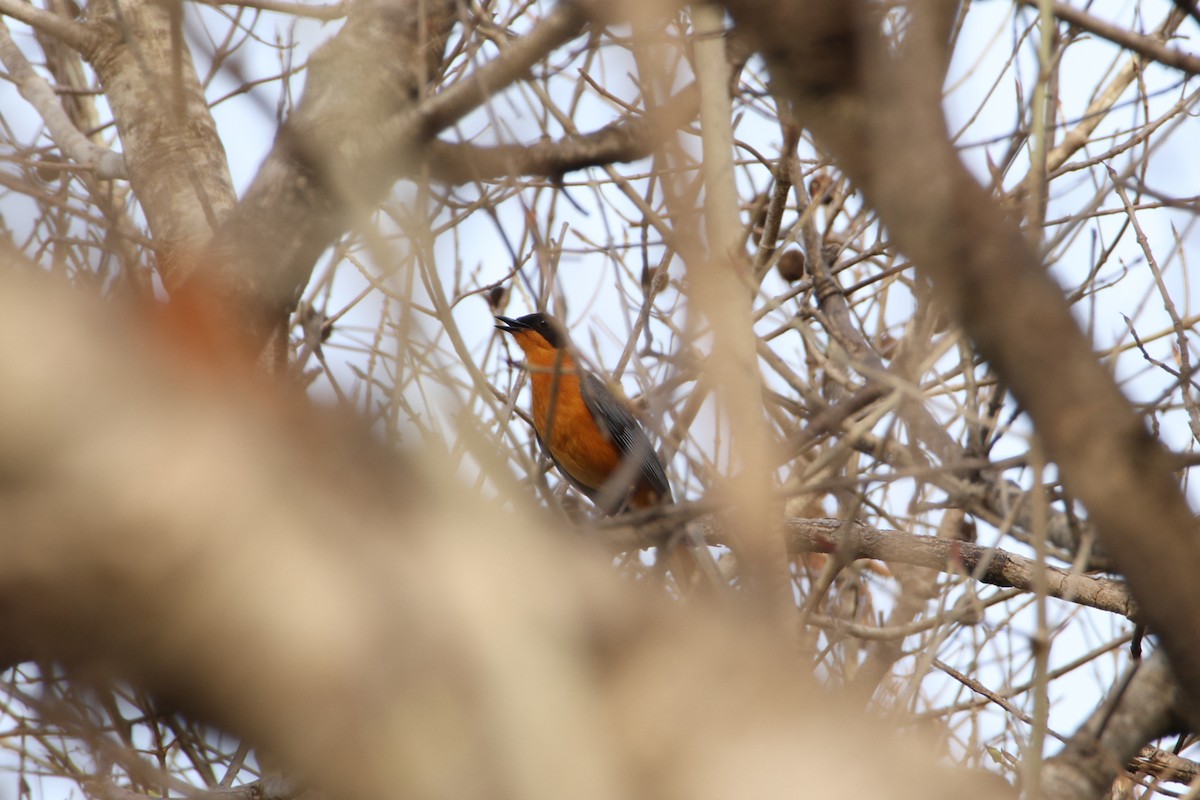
x,y
269,788
106,164
628,139
720,276
79,36
1145,46
562,24
357,129
325,13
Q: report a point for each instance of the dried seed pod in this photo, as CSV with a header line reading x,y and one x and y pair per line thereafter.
x,y
50,168
791,265
820,188
497,298
886,345
758,215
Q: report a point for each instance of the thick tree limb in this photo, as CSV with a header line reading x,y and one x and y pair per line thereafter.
x,y
175,159
357,129
879,115
1142,707
992,566
1165,766
628,139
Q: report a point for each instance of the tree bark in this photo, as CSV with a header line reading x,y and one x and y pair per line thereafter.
x,y
175,160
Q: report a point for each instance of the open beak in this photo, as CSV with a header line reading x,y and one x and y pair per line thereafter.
x,y
510,325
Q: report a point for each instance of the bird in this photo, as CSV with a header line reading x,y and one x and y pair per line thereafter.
x,y
590,435
595,441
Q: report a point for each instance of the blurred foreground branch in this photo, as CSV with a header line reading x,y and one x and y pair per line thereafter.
x,y
377,632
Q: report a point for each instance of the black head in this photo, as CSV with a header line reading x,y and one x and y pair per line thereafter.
x,y
547,326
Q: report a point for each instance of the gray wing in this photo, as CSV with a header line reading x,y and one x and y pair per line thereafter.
x,y
625,432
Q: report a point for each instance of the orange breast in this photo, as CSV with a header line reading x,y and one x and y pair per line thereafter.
x,y
567,428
